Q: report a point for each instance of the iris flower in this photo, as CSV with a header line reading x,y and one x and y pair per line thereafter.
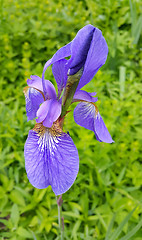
x,y
51,158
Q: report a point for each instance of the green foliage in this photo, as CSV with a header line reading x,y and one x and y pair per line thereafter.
x,y
101,203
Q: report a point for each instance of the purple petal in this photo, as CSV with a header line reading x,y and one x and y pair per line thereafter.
x,y
50,89
87,116
96,57
36,82
49,112
43,111
60,70
83,95
101,130
80,47
84,114
60,54
33,100
92,93
53,113
51,158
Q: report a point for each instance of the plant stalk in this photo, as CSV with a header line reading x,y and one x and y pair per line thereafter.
x,y
60,218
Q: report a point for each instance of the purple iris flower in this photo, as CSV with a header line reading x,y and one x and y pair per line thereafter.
x,y
51,157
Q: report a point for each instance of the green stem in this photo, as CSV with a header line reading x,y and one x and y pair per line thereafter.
x,y
69,91
60,219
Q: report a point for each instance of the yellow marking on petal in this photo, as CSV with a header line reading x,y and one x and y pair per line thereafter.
x,y
55,130
96,109
25,90
40,129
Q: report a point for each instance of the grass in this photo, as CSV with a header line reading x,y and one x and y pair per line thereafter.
x,y
105,200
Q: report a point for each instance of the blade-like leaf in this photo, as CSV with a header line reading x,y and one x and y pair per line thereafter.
x,y
110,227
132,232
138,29
117,232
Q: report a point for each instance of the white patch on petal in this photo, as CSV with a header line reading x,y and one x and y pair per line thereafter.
x,y
98,116
47,140
30,90
26,92
51,158
87,109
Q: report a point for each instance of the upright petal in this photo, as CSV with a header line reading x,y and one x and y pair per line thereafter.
x,y
60,54
51,158
96,57
60,70
33,100
50,90
87,116
80,47
49,112
36,82
85,96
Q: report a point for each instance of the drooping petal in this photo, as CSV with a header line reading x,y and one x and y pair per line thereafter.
x,y
96,57
49,112
87,116
36,82
101,130
83,95
80,47
84,114
60,54
60,70
33,100
51,158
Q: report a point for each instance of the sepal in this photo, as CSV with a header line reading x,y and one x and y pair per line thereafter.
x,y
33,99
51,158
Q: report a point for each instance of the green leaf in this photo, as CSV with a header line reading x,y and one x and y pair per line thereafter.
x,y
17,198
23,232
132,232
101,219
117,232
76,227
71,214
110,227
15,215
138,30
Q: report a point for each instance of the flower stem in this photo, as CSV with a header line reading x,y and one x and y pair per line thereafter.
x,y
71,86
60,218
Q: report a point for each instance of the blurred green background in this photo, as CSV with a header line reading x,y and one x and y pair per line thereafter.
x,y
108,187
